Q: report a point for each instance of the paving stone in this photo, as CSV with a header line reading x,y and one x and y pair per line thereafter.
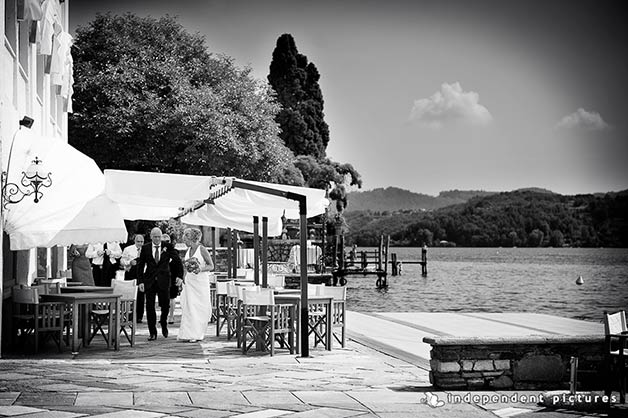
x,y
272,398
263,413
106,398
55,414
206,413
326,413
130,413
221,398
161,398
329,399
45,398
7,398
14,410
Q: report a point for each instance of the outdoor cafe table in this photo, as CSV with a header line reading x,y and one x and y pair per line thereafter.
x,y
85,289
293,280
295,299
80,303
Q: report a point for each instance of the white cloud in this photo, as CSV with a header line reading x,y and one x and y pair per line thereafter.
x,y
450,104
583,119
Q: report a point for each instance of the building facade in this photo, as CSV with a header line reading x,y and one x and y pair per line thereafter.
x,y
35,81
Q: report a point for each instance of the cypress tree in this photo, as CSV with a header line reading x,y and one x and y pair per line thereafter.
x,y
295,81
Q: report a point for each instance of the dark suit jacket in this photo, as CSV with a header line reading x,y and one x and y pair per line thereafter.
x,y
159,272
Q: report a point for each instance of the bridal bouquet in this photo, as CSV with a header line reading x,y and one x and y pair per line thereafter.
x,y
192,265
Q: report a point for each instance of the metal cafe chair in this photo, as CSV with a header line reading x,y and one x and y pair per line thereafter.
x,y
231,310
128,321
223,308
266,322
616,349
276,282
316,314
30,316
339,295
239,311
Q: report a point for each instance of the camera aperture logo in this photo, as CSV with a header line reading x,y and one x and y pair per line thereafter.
x,y
431,399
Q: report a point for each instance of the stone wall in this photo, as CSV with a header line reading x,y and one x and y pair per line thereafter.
x,y
534,362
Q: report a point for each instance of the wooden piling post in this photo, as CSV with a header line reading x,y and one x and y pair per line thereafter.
x,y
386,255
393,266
424,260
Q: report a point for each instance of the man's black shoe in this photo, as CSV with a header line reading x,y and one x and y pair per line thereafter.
x,y
152,337
164,331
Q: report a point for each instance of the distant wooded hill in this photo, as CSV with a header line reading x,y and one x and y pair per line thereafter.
x,y
393,199
524,218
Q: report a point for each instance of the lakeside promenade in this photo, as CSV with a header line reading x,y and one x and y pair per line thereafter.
x,y
373,376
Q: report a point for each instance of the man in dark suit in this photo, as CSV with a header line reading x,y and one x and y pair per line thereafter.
x,y
154,280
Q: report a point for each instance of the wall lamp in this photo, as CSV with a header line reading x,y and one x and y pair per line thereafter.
x,y
33,179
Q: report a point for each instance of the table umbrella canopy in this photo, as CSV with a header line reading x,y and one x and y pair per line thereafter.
x,y
73,210
204,200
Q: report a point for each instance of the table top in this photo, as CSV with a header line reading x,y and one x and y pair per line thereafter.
x,y
84,289
295,297
318,275
71,297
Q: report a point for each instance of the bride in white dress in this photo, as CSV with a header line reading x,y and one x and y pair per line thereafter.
x,y
195,297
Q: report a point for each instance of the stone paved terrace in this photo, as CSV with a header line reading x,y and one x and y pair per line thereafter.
x,y
168,378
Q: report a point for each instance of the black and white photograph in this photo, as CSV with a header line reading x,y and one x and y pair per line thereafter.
x,y
299,208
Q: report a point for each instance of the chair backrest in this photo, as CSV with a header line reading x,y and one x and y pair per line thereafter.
x,y
52,286
615,323
232,290
314,289
42,289
127,289
221,287
261,297
241,289
336,292
28,295
275,281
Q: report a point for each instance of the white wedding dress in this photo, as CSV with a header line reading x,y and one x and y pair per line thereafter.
x,y
195,301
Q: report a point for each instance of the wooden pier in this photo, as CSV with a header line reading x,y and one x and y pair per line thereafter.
x,y
371,262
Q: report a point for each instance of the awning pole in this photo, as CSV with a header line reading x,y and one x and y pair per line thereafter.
x,y
214,247
305,348
229,253
256,249
236,251
264,252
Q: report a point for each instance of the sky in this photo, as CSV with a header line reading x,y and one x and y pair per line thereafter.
x,y
435,95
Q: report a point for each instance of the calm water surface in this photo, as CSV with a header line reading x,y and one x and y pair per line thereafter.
x,y
539,280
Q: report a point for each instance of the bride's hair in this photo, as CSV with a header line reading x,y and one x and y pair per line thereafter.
x,y
193,234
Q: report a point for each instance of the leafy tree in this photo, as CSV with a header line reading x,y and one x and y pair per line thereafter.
x,y
148,96
507,219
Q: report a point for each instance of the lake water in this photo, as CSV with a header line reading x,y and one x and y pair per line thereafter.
x,y
539,280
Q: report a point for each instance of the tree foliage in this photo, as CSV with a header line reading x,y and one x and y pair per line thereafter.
x,y
520,218
295,80
148,96
303,128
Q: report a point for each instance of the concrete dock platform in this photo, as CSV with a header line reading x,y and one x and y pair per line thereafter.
x,y
401,333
